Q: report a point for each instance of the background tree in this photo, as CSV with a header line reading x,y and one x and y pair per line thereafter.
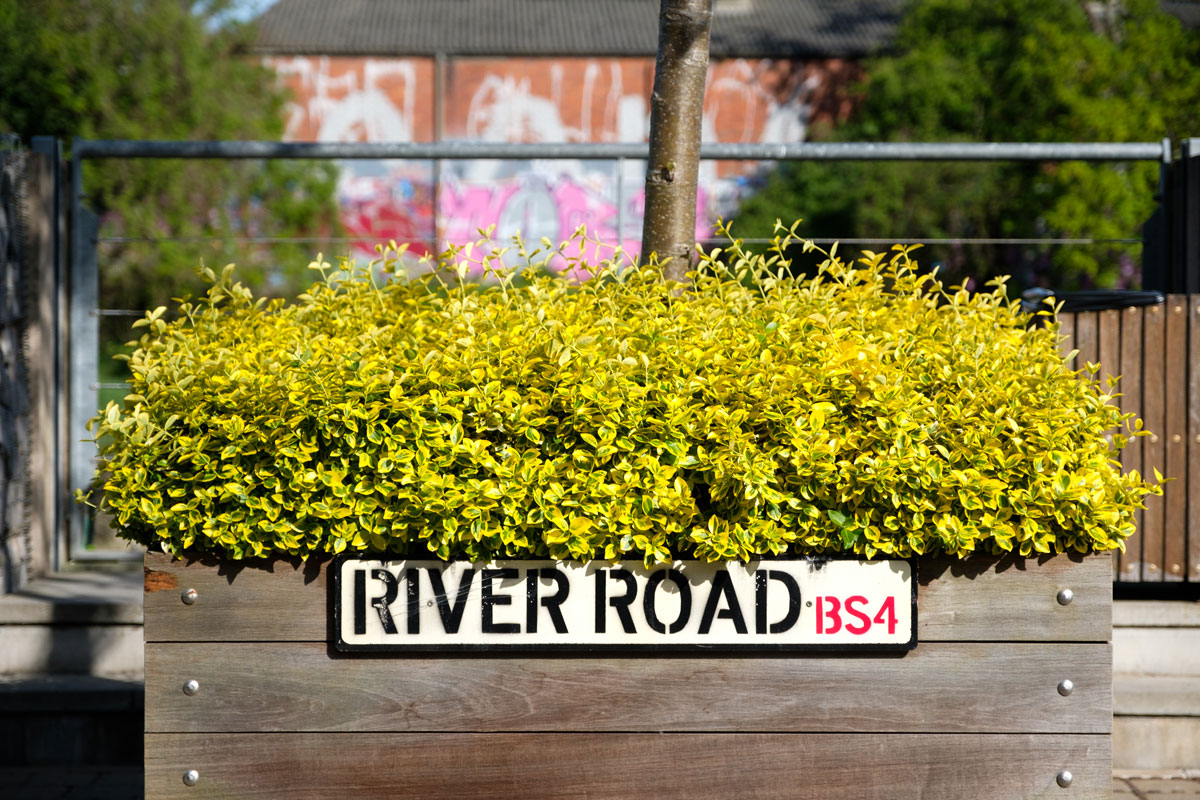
x,y
1007,70
163,69
676,110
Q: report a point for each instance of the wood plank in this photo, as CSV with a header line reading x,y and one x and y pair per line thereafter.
x,y
1109,345
939,687
1066,336
1131,456
1193,503
558,766
979,599
1174,433
1087,324
1153,413
995,600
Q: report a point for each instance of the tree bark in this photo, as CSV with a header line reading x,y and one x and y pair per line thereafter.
x,y
676,109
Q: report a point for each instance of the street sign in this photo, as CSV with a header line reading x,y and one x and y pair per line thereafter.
x,y
555,606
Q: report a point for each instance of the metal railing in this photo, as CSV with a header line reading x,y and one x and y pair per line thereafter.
x,y
85,312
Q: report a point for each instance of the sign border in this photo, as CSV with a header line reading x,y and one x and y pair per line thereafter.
x,y
334,614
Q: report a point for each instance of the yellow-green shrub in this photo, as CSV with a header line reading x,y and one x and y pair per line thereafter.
x,y
865,409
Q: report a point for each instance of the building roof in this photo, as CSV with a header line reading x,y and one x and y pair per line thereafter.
x,y
741,28
1187,11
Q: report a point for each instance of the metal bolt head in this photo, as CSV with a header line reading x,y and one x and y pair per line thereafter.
x,y
189,596
191,687
1065,596
1065,687
191,777
1064,778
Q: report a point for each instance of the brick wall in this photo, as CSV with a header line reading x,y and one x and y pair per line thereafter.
x,y
537,100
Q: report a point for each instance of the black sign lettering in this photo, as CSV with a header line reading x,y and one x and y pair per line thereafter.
x,y
451,614
553,603
490,600
621,604
360,602
722,586
412,580
380,604
685,600
760,601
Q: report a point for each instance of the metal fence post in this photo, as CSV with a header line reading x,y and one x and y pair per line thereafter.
x,y
1158,241
83,349
1185,278
620,202
51,148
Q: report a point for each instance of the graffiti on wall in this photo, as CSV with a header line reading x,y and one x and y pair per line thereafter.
x,y
526,100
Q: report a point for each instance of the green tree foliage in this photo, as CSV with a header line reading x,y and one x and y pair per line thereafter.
x,y
161,69
1007,70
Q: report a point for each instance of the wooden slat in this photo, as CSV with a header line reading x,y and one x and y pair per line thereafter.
x,y
1087,324
983,686
998,601
1131,402
1066,335
1174,434
1109,356
1154,413
1109,345
1001,597
1193,549
557,766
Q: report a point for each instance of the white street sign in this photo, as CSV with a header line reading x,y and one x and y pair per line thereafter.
x,y
553,606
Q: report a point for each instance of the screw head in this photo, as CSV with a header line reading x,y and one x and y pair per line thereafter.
x,y
1065,596
191,687
189,596
191,778
1064,778
1065,687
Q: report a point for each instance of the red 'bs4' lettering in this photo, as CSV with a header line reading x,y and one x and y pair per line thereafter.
x,y
830,610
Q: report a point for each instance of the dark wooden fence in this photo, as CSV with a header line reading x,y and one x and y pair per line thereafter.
x,y
1155,350
982,708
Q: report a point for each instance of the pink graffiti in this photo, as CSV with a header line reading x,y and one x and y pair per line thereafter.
x,y
395,207
528,207
399,206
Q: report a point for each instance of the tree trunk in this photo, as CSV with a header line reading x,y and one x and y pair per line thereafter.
x,y
676,108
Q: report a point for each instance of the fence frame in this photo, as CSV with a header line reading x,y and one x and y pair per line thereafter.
x,y
1177,250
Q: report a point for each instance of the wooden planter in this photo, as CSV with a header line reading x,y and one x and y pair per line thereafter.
x,y
979,709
